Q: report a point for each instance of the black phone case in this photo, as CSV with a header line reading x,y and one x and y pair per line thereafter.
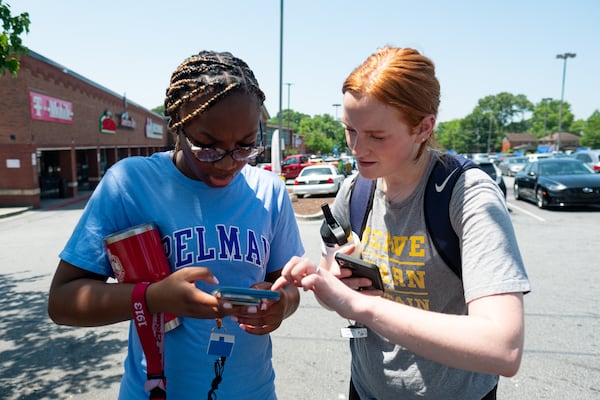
x,y
361,268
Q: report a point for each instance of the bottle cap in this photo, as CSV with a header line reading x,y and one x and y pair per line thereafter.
x,y
334,231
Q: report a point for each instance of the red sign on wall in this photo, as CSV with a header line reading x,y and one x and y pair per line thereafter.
x,y
46,108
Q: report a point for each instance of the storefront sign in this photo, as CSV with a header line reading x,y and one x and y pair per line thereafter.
x,y
107,124
45,108
13,163
126,121
153,130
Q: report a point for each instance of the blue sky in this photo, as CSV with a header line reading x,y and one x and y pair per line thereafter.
x,y
480,48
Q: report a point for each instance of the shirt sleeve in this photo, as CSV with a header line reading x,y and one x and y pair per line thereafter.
x,y
491,260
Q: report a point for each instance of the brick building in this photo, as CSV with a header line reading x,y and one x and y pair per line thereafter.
x,y
519,141
59,132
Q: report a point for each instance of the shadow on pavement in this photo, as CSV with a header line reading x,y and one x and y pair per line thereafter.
x,y
39,359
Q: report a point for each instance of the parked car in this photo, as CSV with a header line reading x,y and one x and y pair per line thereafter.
x,y
512,165
477,156
491,169
590,157
538,156
317,179
562,181
291,165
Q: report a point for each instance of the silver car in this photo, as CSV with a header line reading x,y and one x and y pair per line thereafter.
x,y
512,165
590,157
318,179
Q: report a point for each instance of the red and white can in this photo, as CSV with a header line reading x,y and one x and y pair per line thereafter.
x,y
136,255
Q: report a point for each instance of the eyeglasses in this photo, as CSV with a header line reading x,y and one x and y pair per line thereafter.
x,y
214,154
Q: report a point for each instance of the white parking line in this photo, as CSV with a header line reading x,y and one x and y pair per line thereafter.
x,y
512,205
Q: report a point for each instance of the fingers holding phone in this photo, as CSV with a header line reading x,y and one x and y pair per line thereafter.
x,y
252,298
251,308
359,269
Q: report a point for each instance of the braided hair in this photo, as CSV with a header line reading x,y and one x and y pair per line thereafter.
x,y
209,75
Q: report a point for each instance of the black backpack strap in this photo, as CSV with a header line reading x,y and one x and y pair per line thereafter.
x,y
361,202
438,192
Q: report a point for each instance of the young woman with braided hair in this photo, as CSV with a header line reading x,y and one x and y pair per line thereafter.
x,y
222,223
432,333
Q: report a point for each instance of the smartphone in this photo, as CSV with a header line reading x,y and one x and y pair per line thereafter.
x,y
246,296
361,269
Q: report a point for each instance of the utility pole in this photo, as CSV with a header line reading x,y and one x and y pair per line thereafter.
x,y
489,141
288,115
288,104
546,100
336,105
280,122
564,57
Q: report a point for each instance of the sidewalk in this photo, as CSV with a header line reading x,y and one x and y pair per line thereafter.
x,y
46,204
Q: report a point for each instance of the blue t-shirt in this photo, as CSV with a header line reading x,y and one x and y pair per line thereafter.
x,y
241,232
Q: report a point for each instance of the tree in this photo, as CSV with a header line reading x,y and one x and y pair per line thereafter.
x,y
577,127
160,110
321,133
475,129
493,117
449,135
544,119
591,131
318,143
291,117
11,46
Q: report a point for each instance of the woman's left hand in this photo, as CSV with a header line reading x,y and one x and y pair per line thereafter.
x,y
268,316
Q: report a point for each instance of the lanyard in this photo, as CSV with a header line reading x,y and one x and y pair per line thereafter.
x,y
150,329
220,344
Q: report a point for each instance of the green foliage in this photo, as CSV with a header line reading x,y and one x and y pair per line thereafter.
x,y
318,143
577,127
289,118
160,110
591,131
321,132
11,46
494,116
544,119
448,134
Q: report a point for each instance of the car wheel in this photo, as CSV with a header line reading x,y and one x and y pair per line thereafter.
x,y
540,200
516,192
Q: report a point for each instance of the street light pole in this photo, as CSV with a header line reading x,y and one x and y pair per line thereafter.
x,y
280,120
288,103
336,105
489,141
289,84
564,57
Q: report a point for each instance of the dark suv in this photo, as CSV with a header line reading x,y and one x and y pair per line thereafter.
x,y
492,171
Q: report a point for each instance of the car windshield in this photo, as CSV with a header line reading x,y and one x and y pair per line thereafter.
x,y
564,168
316,171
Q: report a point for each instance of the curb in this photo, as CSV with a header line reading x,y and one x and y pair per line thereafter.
x,y
15,212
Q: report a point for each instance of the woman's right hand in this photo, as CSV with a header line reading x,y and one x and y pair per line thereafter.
x,y
177,294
